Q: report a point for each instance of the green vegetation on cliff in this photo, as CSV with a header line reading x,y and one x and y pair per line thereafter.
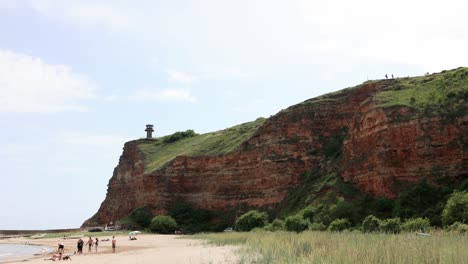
x,y
160,151
443,93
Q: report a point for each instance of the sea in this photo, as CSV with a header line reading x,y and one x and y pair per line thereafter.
x,y
10,252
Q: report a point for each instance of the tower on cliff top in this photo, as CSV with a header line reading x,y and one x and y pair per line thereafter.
x,y
149,131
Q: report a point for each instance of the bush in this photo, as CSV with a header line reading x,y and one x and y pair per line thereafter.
x,y
391,225
370,224
342,209
416,224
458,227
179,135
276,225
296,223
317,227
163,224
339,225
250,220
456,209
193,220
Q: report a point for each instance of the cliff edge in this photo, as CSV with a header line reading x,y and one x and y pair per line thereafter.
x,y
374,136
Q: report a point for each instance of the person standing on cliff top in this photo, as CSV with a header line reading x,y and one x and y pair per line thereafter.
x,y
114,242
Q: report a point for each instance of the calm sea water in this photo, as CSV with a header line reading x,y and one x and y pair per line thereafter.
x,y
14,251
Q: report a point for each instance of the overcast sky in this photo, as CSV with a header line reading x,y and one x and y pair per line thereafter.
x,y
80,78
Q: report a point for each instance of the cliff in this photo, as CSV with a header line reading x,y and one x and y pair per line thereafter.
x,y
374,136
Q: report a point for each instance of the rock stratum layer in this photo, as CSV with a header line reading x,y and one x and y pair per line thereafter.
x,y
379,143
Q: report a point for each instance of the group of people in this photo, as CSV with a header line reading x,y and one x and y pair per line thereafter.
x,y
60,255
90,245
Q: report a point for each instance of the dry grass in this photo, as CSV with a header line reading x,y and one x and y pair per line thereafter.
x,y
346,247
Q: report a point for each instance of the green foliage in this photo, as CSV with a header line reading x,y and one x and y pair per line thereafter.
x,y
317,227
296,223
391,225
422,200
179,135
456,209
192,220
443,93
157,153
251,220
339,225
276,225
416,224
139,218
459,228
342,209
163,224
370,224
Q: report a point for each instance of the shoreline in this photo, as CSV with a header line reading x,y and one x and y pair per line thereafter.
x,y
148,248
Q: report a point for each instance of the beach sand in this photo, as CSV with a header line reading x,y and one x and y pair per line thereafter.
x,y
147,249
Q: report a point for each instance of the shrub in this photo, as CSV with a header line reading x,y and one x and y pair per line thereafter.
x,y
179,135
250,220
391,225
138,219
456,209
317,227
416,224
339,225
371,224
276,225
191,219
163,224
458,227
296,223
342,209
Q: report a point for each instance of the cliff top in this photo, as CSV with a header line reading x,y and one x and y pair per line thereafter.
x,y
157,153
443,93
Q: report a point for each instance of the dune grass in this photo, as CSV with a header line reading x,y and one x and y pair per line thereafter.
x,y
158,153
345,247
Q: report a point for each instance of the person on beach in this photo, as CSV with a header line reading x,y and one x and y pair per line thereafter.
x,y
114,242
61,247
96,244
90,244
80,246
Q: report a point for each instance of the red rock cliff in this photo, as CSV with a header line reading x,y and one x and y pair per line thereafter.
x,y
381,145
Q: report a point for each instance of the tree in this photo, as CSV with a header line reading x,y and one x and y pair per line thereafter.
x,y
371,224
391,225
339,225
251,220
163,224
456,209
416,224
296,223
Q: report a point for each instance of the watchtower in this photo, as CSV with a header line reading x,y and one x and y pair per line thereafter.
x,y
149,131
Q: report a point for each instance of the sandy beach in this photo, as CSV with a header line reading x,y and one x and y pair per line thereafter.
x,y
147,249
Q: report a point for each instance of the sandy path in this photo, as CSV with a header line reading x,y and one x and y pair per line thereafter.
x,y
147,249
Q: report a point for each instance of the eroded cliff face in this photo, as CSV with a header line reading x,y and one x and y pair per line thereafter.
x,y
378,146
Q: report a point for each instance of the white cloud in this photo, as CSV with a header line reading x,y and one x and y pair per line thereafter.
x,y
27,84
164,95
180,77
94,140
84,13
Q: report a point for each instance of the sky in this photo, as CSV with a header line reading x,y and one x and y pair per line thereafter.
x,y
80,78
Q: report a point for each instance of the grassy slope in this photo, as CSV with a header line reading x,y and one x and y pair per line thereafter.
x,y
158,153
440,92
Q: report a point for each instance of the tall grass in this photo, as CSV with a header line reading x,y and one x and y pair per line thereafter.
x,y
345,247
